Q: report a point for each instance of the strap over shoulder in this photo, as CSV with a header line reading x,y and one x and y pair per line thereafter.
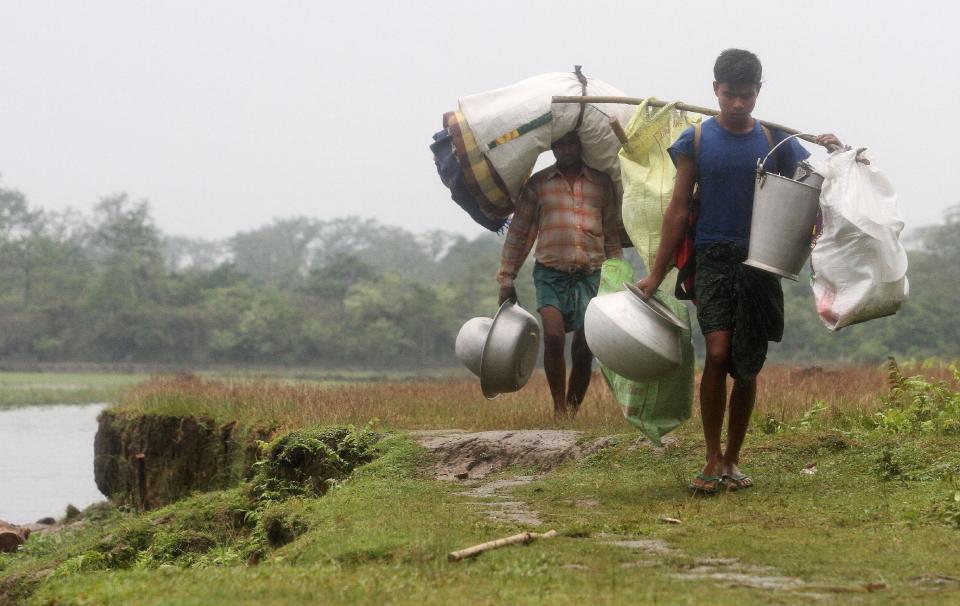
x,y
697,131
769,135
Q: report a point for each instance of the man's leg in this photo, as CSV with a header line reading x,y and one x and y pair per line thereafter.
x,y
554,365
582,369
713,398
742,399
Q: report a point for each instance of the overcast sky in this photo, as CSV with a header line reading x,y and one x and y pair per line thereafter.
x,y
228,114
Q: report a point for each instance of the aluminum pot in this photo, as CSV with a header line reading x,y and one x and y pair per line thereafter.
x,y
636,338
502,350
470,340
510,351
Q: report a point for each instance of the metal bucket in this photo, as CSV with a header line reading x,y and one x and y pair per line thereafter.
x,y
808,175
784,216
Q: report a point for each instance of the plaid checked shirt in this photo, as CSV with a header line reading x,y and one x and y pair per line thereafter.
x,y
575,229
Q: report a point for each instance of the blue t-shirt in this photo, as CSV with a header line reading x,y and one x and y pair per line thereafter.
x,y
725,174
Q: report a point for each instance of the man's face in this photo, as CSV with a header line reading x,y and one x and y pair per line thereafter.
x,y
736,100
567,151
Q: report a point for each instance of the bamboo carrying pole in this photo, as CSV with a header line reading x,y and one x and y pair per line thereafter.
x,y
707,111
523,537
618,130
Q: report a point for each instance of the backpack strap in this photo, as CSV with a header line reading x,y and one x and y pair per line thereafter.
x,y
685,258
769,135
697,131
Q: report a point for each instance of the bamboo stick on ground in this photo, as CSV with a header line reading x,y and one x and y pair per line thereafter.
x,y
523,537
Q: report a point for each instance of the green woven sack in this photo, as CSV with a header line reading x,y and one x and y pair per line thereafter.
x,y
655,407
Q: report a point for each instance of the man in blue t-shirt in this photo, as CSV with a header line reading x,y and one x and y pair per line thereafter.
x,y
739,308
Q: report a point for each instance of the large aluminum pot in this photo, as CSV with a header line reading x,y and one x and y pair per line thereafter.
x,y
510,352
636,338
781,229
502,351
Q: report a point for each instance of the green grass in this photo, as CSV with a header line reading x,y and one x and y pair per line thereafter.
x,y
383,536
57,387
35,388
842,526
32,388
882,511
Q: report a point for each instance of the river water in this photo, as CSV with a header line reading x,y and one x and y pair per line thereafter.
x,y
46,460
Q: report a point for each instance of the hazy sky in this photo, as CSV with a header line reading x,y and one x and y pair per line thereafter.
x,y
227,114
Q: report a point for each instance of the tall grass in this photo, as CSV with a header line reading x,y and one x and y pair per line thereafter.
x,y
783,393
395,404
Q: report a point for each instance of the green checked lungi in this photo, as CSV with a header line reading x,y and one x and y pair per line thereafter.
x,y
568,292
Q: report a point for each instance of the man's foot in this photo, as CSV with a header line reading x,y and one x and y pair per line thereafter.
x,y
706,485
734,478
738,481
709,480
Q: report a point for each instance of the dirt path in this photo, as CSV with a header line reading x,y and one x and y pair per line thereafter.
x,y
470,457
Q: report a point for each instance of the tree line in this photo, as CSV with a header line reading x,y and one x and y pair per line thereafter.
x,y
109,286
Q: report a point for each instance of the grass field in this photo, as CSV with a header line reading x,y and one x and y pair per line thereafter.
x,y
878,523
31,388
59,387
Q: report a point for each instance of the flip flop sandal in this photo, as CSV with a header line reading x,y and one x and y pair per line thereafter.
x,y
738,482
707,484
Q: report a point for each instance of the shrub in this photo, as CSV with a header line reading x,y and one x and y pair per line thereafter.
x,y
918,406
309,461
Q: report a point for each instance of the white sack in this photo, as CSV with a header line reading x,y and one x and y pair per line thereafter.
x,y
859,264
495,115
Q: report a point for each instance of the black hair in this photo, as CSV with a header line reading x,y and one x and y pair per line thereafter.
x,y
736,66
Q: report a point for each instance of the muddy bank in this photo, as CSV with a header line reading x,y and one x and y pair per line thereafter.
x,y
147,461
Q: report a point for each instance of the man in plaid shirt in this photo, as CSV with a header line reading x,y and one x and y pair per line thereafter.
x,y
573,213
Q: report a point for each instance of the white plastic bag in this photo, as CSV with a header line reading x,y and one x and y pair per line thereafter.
x,y
515,124
859,264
